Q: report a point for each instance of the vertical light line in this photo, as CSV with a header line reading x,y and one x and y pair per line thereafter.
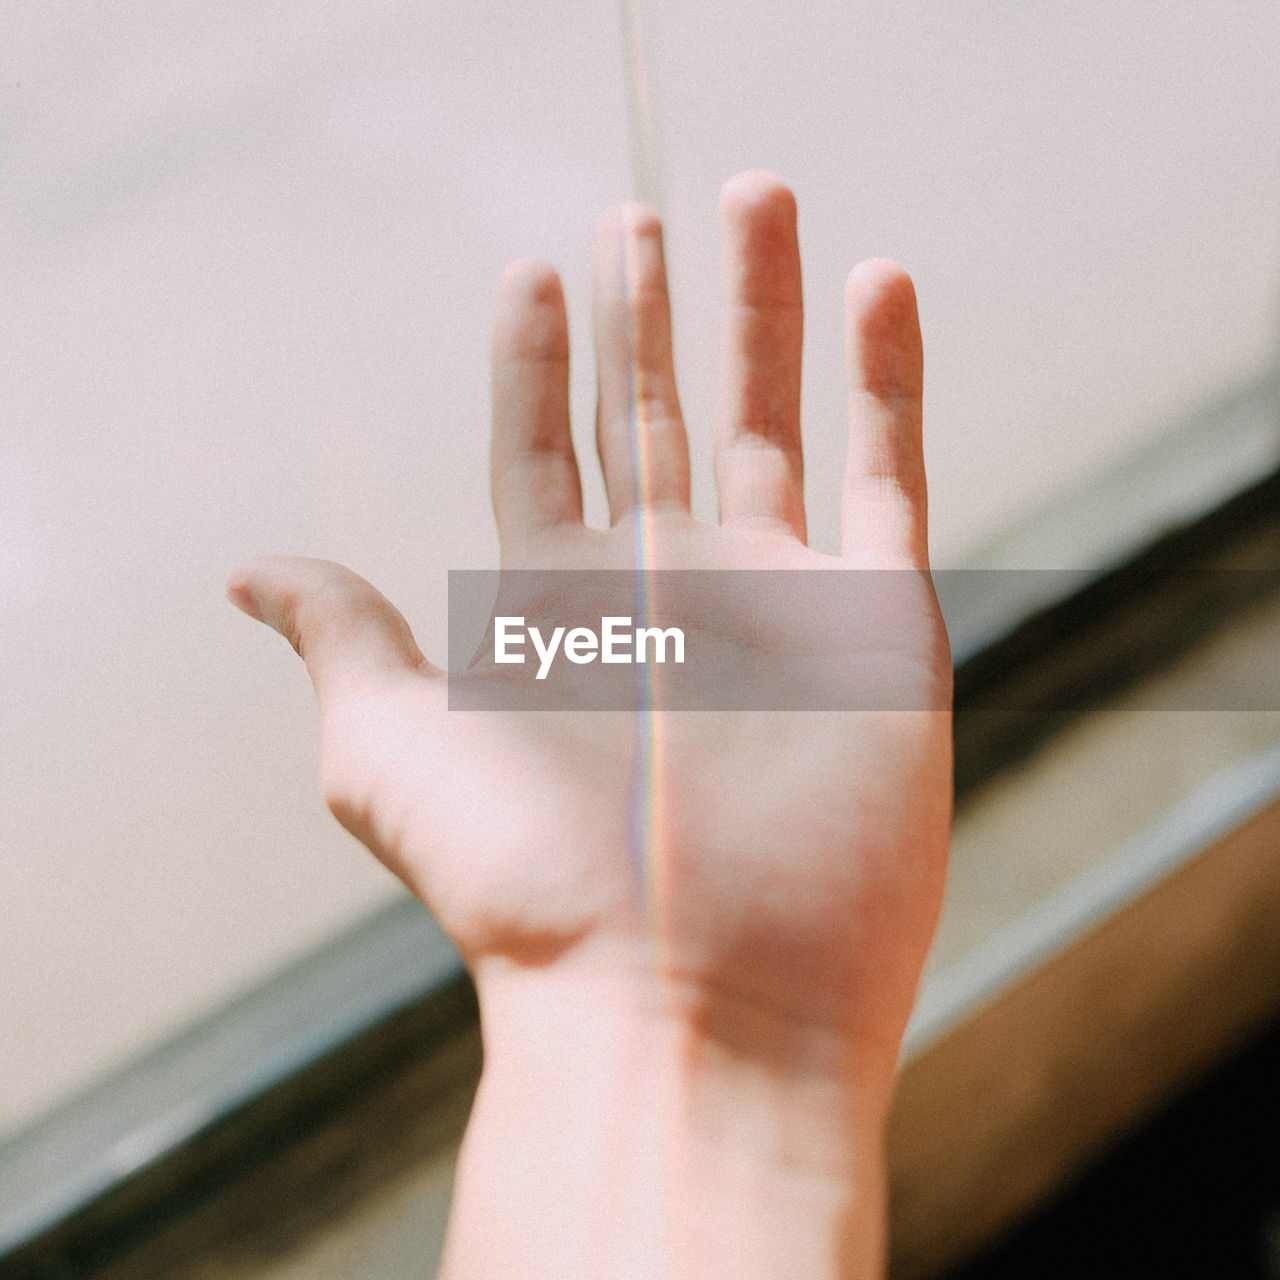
x,y
644,826
642,113
648,837
647,850
646,178
646,167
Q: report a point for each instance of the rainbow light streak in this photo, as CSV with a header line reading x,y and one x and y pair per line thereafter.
x,y
648,853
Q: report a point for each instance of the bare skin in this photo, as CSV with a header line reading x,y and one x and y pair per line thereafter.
x,y
690,1048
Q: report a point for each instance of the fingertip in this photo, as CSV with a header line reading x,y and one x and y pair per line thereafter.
x,y
265,588
756,192
629,221
345,630
883,323
530,320
533,280
639,219
243,598
761,246
629,265
247,587
880,282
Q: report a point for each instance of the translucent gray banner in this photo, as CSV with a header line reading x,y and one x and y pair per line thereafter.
x,y
831,640
694,640
843,640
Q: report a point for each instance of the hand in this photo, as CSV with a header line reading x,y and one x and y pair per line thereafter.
x,y
760,909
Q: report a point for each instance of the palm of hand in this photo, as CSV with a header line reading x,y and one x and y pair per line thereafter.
x,y
788,861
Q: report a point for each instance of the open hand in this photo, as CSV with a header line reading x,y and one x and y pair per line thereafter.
x,y
760,873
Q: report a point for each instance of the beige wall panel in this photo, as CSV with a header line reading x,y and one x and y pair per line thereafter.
x,y
1088,201
247,260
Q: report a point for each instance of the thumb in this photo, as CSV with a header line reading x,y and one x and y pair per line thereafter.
x,y
346,632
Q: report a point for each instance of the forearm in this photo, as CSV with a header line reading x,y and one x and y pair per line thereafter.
x,y
613,1139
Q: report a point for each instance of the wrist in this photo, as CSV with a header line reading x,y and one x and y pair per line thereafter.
x,y
621,1130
